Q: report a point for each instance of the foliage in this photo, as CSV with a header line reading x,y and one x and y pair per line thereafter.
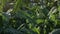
x,y
29,16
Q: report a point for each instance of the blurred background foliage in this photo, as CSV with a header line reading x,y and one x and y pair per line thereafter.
x,y
29,16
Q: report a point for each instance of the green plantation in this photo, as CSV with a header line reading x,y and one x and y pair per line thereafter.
x,y
29,16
